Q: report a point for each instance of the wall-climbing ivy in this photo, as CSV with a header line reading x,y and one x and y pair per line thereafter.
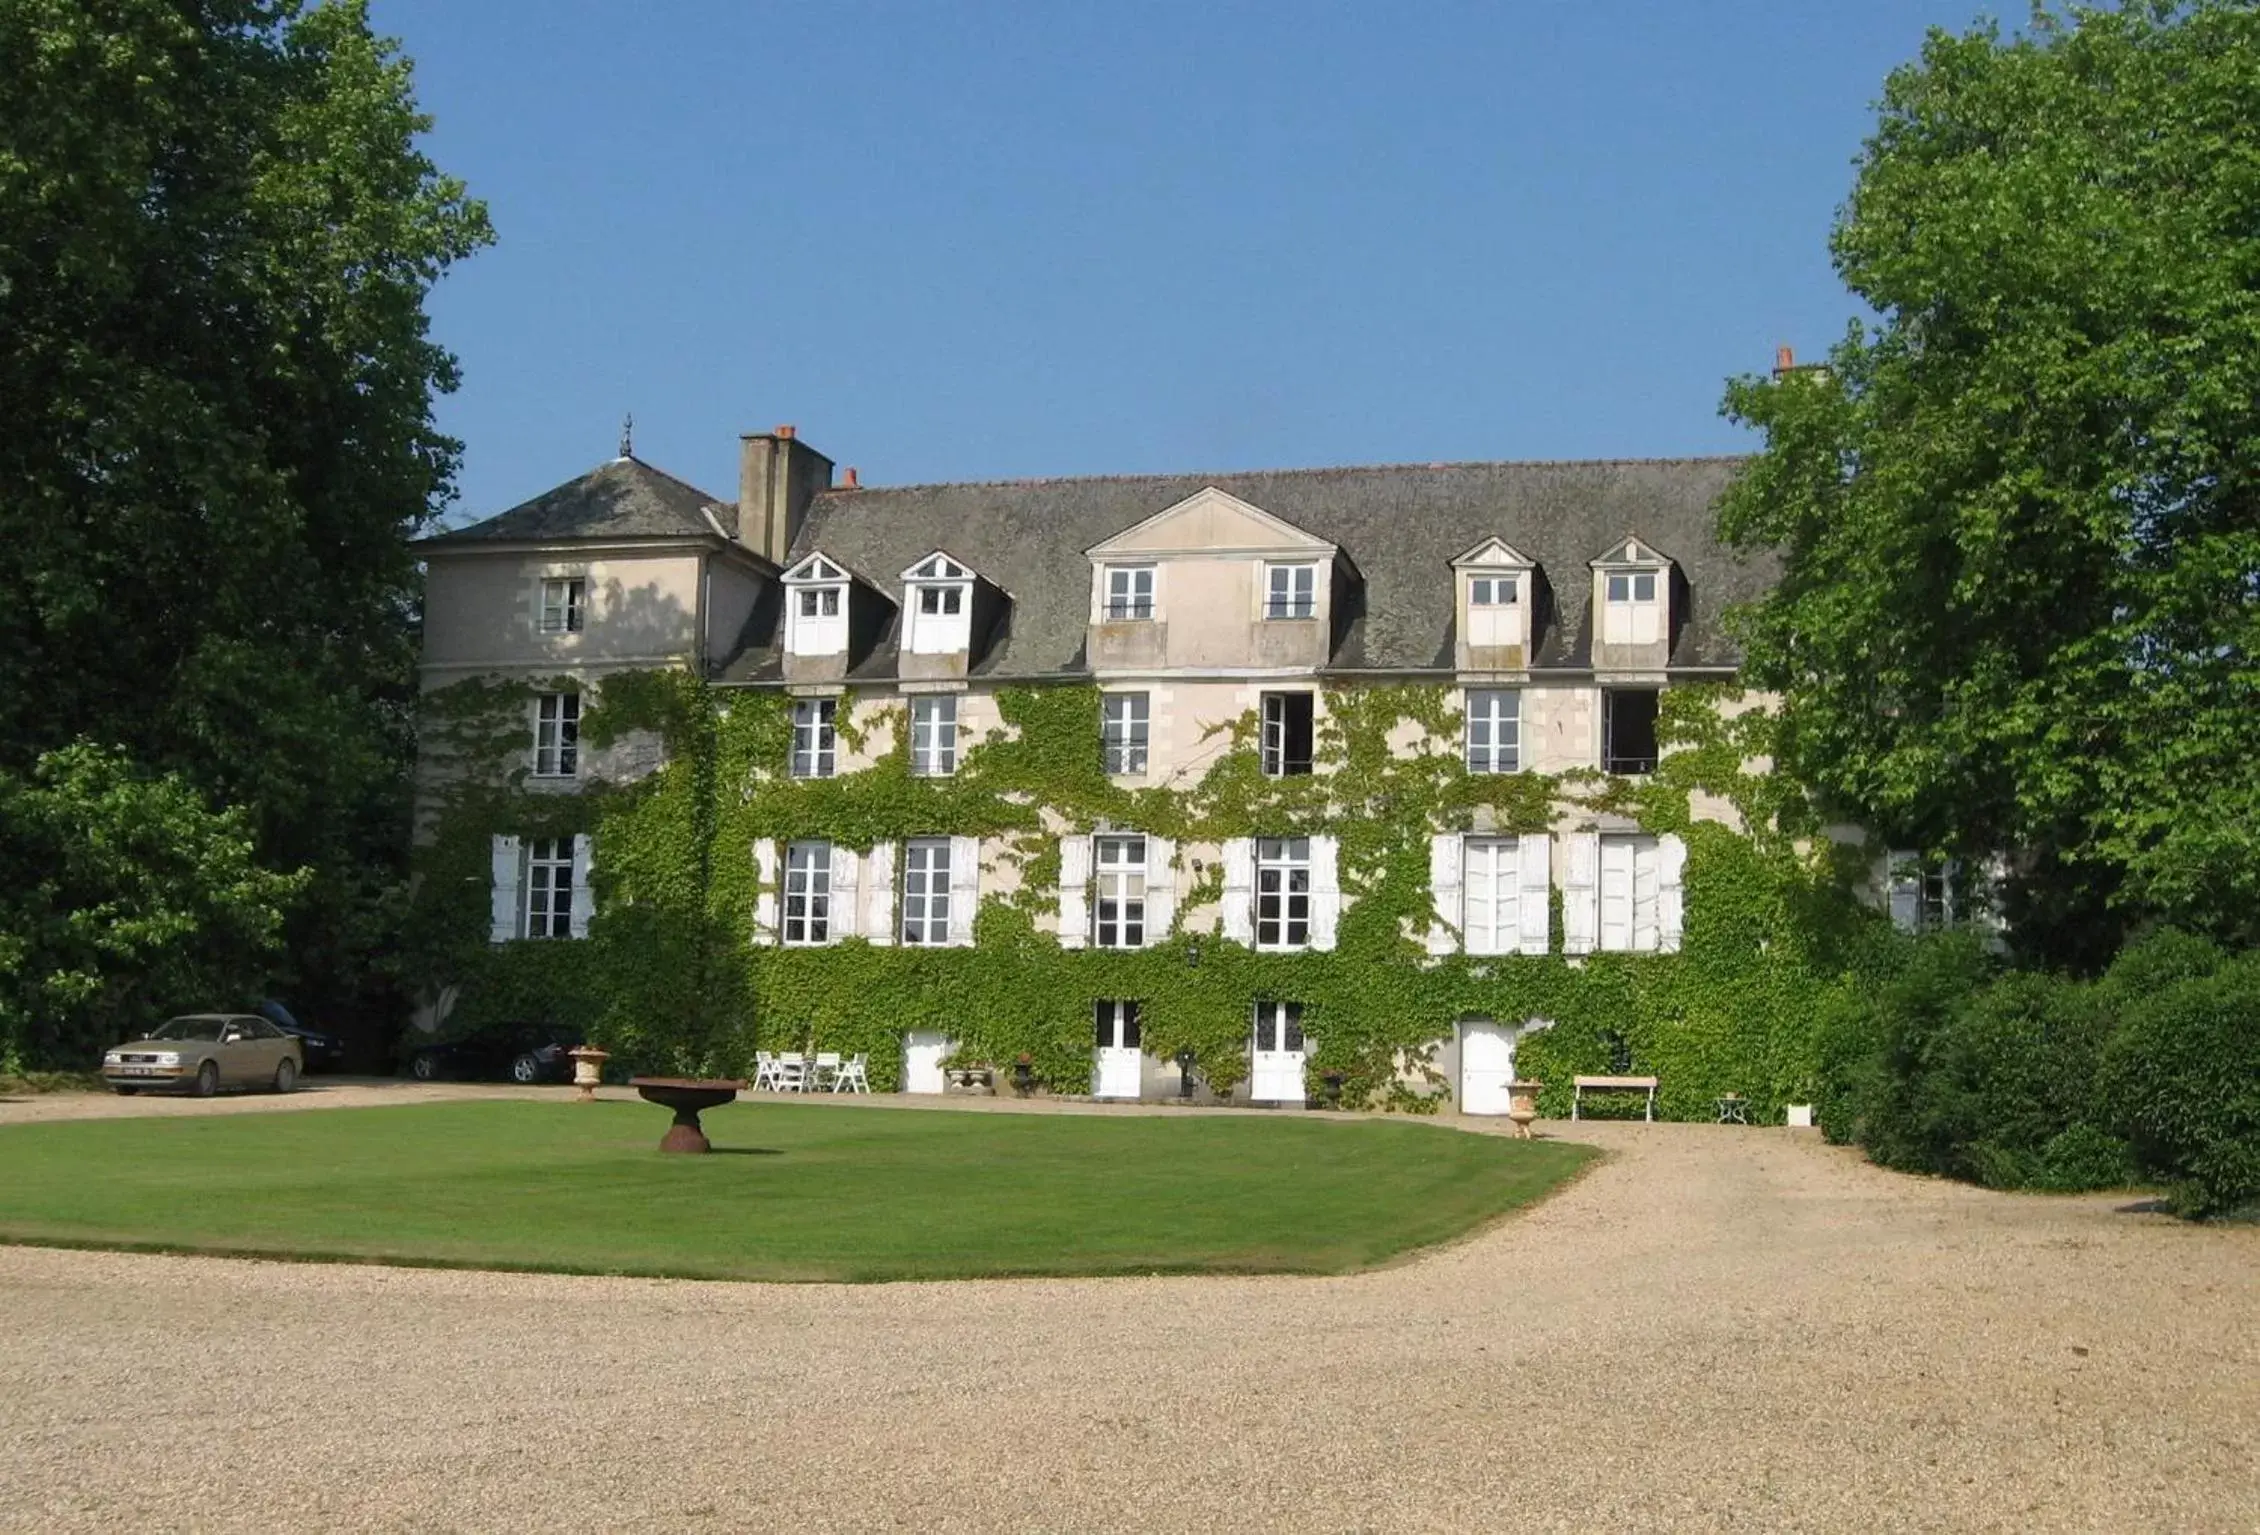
x,y
671,979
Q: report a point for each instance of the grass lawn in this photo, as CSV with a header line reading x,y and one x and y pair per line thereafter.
x,y
793,1191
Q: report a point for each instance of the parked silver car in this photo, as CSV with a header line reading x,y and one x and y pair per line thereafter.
x,y
203,1052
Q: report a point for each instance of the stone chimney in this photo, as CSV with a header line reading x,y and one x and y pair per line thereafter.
x,y
778,476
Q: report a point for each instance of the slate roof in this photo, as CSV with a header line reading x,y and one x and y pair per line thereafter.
x,y
1400,525
624,498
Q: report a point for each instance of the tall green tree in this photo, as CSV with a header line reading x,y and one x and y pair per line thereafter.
x,y
217,232
2018,513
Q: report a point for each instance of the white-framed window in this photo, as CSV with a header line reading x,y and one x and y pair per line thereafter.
x,y
1631,891
1491,591
1633,609
933,735
937,604
564,600
545,907
1122,732
937,601
1925,893
926,891
1283,891
1632,586
820,602
817,606
557,735
1290,591
1494,730
1289,734
1279,1026
1120,912
808,893
815,737
1491,875
1129,591
1116,1024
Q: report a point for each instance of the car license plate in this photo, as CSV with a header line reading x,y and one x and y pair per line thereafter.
x,y
135,1071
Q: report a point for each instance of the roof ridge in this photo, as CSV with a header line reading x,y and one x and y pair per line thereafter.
x,y
1217,474
652,468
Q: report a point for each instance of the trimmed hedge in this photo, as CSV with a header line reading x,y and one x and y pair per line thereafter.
x,y
2185,1068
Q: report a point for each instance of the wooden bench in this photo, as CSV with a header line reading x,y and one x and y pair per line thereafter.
x,y
1613,1085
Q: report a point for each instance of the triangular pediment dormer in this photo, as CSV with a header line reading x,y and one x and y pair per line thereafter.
x,y
1493,554
815,567
938,566
1211,521
1631,553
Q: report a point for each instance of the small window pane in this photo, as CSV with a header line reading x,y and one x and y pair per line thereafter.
x,y
1620,588
1644,588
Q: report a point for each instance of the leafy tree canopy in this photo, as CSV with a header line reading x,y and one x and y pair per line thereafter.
x,y
2018,514
216,235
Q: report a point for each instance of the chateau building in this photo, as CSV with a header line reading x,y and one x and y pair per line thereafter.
x,y
1554,603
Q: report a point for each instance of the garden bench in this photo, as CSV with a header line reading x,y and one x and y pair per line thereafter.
x,y
1580,1085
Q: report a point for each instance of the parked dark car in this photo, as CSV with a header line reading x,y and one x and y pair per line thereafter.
x,y
525,1053
324,1052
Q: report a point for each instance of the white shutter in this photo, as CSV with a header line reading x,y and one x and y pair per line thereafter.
x,y
1950,874
1904,878
965,889
879,894
1671,896
502,904
765,890
844,863
1581,894
1074,892
1534,867
1647,890
1444,890
1616,894
584,893
1161,888
1325,891
1992,878
1239,899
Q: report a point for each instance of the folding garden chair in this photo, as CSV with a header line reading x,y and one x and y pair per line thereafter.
x,y
826,1076
792,1072
765,1077
853,1076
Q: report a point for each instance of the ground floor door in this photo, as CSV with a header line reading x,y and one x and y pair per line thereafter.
x,y
923,1051
1487,1065
1275,1054
1118,1062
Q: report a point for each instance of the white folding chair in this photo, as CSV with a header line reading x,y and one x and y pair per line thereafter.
x,y
764,1071
791,1073
826,1075
854,1076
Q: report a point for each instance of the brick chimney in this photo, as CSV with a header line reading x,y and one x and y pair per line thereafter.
x,y
778,476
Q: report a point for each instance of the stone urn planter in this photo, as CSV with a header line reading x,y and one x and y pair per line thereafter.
x,y
588,1070
1522,1106
688,1097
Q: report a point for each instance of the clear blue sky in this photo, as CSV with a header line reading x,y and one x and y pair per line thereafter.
x,y
973,241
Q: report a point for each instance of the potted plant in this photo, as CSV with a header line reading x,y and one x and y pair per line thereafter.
x,y
1522,1106
1023,1074
1332,1076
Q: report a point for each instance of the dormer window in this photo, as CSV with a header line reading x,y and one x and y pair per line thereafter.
x,y
1290,591
1129,592
1498,591
939,593
1633,588
1492,592
816,610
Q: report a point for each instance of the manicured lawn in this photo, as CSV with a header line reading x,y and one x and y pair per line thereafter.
x,y
794,1191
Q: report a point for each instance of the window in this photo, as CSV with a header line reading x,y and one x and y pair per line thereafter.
x,y
1279,1026
1290,591
1121,863
1492,896
1633,612
1287,734
1926,894
938,600
1631,882
547,908
1494,731
557,735
1628,730
816,622
808,893
926,891
1115,1025
1282,892
1122,732
1130,591
1491,592
933,735
562,600
815,741
1632,586
820,602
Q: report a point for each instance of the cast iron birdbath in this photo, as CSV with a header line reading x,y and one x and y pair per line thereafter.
x,y
688,1097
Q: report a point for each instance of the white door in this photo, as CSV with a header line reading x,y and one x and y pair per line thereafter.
x,y
1487,1065
1276,1054
1118,1062
923,1051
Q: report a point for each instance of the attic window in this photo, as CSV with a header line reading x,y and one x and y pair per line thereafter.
x,y
820,602
1632,586
1129,591
1491,591
940,568
936,601
1290,591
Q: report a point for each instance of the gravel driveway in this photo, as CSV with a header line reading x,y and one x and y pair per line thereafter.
x,y
1716,1328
